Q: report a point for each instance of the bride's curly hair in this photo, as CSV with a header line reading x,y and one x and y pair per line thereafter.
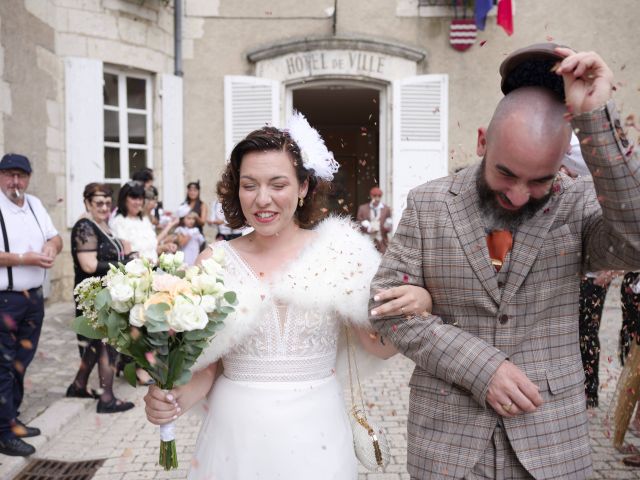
x,y
263,140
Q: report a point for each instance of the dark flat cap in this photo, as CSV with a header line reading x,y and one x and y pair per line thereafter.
x,y
17,161
532,66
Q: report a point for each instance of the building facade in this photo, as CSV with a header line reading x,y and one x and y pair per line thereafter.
x,y
89,90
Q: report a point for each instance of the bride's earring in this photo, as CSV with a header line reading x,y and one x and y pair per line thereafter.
x,y
300,202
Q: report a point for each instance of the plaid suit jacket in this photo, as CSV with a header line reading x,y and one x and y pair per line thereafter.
x,y
531,318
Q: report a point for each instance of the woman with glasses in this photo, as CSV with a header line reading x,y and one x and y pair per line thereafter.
x,y
94,247
131,224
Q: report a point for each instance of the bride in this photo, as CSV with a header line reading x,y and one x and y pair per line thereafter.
x,y
274,406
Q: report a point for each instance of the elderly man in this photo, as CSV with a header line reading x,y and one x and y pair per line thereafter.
x,y
497,391
30,246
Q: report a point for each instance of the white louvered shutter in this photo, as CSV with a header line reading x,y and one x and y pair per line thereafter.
x,y
420,119
172,142
249,103
84,134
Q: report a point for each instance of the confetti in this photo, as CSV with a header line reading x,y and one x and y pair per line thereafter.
x,y
151,358
482,43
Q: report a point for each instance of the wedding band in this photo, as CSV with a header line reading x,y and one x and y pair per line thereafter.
x,y
507,407
402,309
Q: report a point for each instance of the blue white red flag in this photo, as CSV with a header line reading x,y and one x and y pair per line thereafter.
x,y
481,10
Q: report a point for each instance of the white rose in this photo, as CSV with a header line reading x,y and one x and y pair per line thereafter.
x,y
166,261
191,272
136,315
136,268
208,303
121,297
116,278
178,258
186,315
210,266
204,284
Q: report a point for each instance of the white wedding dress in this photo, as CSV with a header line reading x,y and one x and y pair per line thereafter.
x,y
278,411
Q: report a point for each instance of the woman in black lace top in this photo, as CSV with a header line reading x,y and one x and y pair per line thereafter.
x,y
94,249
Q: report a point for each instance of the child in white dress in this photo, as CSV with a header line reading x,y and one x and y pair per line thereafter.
x,y
189,237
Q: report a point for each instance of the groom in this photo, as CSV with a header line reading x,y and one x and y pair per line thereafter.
x,y
497,391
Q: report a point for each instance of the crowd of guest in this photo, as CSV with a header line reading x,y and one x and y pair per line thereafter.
x,y
110,231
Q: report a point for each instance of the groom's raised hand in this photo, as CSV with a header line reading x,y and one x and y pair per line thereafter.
x,y
588,81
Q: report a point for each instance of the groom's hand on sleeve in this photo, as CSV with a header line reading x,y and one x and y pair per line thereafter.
x,y
511,393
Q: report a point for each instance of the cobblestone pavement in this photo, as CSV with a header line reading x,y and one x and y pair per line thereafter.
x,y
130,444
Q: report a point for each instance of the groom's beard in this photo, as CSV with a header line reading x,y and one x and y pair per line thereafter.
x,y
496,216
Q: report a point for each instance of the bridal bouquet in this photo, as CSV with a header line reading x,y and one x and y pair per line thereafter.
x,y
161,318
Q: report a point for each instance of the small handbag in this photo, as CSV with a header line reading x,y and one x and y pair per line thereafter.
x,y
369,441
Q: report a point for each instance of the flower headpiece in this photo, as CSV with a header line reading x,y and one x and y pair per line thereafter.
x,y
314,153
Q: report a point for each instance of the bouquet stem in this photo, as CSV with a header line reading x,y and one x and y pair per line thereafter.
x,y
168,455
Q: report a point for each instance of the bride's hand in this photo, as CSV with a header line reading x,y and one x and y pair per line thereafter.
x,y
161,407
402,300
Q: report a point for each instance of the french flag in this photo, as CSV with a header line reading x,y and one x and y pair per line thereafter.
x,y
505,16
481,11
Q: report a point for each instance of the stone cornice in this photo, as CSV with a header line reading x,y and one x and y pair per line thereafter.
x,y
337,43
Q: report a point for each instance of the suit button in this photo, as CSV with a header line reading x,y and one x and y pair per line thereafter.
x,y
504,318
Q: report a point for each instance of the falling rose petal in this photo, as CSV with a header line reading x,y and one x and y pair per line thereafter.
x,y
549,38
26,344
19,430
18,366
405,278
482,43
151,358
394,328
8,321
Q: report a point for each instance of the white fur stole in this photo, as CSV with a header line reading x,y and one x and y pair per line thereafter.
x,y
332,275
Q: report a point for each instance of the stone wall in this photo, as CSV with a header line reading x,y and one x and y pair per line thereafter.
x,y
35,37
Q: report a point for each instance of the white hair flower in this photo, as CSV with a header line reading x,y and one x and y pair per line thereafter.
x,y
314,153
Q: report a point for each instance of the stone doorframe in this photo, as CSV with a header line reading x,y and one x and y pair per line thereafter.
x,y
369,62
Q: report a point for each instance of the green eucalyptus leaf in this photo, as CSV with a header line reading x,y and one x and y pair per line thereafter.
x,y
184,378
130,373
114,324
103,299
231,298
82,327
157,312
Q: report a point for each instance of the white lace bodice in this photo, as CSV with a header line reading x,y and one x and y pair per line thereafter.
x,y
289,343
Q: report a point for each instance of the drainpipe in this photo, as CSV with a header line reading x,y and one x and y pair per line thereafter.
x,y
335,17
177,37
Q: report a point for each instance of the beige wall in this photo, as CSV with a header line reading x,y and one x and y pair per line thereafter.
x,y
239,27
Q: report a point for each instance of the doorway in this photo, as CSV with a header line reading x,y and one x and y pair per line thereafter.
x,y
348,118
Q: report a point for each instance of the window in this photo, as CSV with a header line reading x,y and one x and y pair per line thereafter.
x,y
127,125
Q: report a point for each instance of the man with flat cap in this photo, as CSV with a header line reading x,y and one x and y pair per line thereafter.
x,y
30,245
497,391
